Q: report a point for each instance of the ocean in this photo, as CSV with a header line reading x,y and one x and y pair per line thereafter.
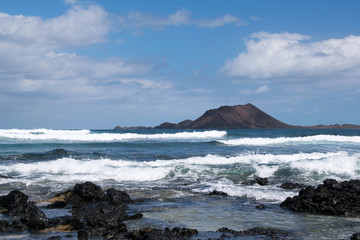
x,y
172,171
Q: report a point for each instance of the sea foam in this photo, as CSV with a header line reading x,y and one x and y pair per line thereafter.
x,y
89,136
200,168
316,139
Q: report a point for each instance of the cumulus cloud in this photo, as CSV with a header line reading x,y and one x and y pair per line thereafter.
x,y
33,60
295,57
79,26
140,20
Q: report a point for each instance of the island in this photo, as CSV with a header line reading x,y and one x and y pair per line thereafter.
x,y
245,116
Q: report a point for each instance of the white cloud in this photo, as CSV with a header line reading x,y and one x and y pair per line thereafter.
x,y
259,90
79,26
293,57
32,59
140,20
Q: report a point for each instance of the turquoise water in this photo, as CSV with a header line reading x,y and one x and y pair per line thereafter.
x,y
174,169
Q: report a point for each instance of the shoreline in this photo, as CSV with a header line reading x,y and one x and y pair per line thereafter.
x,y
94,213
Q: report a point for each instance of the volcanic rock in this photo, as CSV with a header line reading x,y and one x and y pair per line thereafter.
x,y
230,117
291,185
269,233
86,192
330,198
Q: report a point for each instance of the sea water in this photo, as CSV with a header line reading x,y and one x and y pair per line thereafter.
x,y
175,169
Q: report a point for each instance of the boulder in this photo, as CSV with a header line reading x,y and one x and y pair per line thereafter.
x,y
291,185
330,198
86,192
218,193
117,197
16,204
57,204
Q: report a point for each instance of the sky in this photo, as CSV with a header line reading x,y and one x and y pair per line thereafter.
x,y
74,64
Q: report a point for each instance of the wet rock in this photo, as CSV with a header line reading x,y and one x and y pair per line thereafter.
x,y
260,206
270,233
15,202
4,225
258,180
34,218
86,192
4,176
54,238
56,204
157,234
218,193
102,215
261,181
355,236
330,198
117,197
17,224
291,185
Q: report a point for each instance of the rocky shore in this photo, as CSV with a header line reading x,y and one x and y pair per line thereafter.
x,y
95,213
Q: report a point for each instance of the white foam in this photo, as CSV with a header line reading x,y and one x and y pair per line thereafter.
x,y
257,192
88,136
194,169
291,140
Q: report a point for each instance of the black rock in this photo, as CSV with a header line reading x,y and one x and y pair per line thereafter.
x,y
4,225
291,185
15,202
103,215
86,192
18,225
157,234
4,176
270,233
260,206
218,193
355,236
34,218
258,180
117,197
57,204
330,198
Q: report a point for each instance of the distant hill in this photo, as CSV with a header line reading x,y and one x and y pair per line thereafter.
x,y
238,117
230,117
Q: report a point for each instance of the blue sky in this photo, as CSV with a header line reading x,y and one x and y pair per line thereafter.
x,y
98,64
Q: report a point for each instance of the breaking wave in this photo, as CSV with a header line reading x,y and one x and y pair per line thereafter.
x,y
89,136
317,139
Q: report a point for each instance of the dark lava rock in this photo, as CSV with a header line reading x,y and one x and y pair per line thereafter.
x,y
270,233
218,193
355,236
260,206
34,218
117,197
291,185
6,177
330,198
156,234
86,192
57,204
3,225
17,224
102,215
258,180
16,204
